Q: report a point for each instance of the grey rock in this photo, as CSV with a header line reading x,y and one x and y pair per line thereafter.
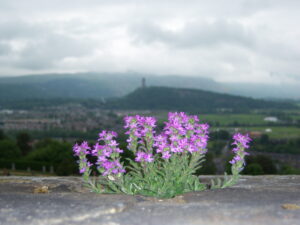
x,y
254,200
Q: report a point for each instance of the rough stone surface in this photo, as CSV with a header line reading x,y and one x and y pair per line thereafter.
x,y
254,200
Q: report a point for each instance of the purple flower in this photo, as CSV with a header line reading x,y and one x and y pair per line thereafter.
x,y
236,159
107,135
183,133
139,156
144,157
81,149
108,154
242,142
97,148
113,143
232,161
166,155
148,157
82,170
141,134
150,121
112,167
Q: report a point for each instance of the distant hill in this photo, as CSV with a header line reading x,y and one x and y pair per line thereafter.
x,y
108,85
53,87
147,98
88,85
165,98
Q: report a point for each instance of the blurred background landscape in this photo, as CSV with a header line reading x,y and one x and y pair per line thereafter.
x,y
69,70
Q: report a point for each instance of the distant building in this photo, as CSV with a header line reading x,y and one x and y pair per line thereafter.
x,y
143,82
30,124
6,111
268,130
272,119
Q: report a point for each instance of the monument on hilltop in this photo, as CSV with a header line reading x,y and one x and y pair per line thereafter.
x,y
143,82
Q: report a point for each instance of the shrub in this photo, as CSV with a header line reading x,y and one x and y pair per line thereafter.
x,y
9,149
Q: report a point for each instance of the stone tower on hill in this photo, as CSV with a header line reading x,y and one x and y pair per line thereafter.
x,y
143,82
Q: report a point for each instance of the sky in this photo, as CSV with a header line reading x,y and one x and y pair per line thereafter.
x,y
255,41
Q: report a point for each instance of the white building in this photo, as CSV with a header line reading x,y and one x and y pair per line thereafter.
x,y
271,119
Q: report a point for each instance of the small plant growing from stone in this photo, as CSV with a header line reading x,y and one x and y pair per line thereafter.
x,y
164,164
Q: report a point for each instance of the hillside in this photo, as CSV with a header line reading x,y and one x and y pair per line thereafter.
x,y
164,98
53,87
90,85
107,85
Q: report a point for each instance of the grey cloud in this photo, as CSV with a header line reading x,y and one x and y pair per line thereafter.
x,y
4,49
247,38
195,34
294,77
44,53
17,29
44,46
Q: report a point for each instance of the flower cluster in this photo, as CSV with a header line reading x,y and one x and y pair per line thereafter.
x,y
242,142
141,136
182,145
108,154
82,151
182,133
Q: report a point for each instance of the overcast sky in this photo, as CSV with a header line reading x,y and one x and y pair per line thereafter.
x,y
236,40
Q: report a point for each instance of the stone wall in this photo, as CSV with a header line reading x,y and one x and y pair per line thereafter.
x,y
63,200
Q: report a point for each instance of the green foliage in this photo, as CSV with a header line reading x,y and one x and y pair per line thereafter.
x,y
209,166
264,139
2,135
57,153
216,146
228,181
220,135
254,169
266,163
66,167
51,151
291,146
23,141
24,164
286,169
9,149
164,179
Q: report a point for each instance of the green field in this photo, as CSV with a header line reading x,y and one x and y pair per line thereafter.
x,y
279,132
229,119
254,122
248,122
276,133
224,119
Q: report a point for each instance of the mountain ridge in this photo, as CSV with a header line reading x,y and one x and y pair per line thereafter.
x,y
193,100
106,85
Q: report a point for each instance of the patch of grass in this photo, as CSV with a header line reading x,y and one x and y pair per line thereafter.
x,y
277,132
229,119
